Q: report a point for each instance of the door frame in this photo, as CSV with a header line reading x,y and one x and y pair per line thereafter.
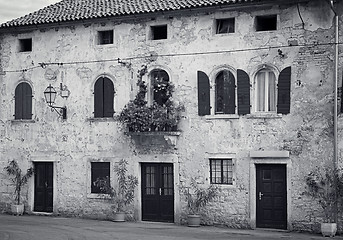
x,y
159,158
31,195
269,160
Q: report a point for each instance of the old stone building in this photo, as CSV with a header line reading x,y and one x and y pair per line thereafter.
x,y
256,79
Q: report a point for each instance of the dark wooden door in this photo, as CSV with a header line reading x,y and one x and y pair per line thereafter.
x,y
157,192
271,194
43,199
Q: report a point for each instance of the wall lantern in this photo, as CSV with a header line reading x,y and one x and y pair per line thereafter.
x,y
50,96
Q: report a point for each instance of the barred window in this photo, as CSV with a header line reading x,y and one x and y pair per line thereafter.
x,y
221,171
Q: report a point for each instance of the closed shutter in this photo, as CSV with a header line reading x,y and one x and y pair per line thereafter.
x,y
229,93
108,98
27,101
243,91
18,108
203,94
284,91
99,98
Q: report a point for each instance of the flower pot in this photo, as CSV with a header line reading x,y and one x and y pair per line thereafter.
x,y
194,220
119,217
17,209
328,229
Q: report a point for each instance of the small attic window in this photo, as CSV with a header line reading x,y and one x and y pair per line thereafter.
x,y
159,32
25,45
266,23
105,37
226,25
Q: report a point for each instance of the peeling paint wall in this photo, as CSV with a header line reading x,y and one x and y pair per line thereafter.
x,y
306,133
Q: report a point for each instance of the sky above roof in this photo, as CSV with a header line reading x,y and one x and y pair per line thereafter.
x,y
11,9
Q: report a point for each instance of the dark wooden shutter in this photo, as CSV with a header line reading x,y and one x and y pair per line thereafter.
x,y
27,101
203,94
284,91
99,98
108,98
243,91
18,108
229,93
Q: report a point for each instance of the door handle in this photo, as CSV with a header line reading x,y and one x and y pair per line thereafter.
x,y
260,196
46,184
160,190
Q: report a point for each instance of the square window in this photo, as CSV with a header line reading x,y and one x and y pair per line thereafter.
x,y
25,45
159,32
266,23
105,37
221,171
99,170
226,25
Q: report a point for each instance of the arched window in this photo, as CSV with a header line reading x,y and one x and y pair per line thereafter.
x,y
265,85
23,101
103,98
225,93
160,86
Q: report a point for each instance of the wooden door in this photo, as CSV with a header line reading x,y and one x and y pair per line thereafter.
x,y
157,192
271,194
43,198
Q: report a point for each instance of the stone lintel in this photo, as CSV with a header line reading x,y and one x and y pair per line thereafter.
x,y
269,154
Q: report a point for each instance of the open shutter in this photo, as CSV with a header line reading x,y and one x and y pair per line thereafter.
x,y
108,98
27,101
243,91
203,94
284,91
99,98
229,93
18,99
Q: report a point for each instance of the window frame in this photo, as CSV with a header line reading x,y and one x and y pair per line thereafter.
x,y
22,103
92,187
219,20
267,70
100,37
259,18
23,45
152,29
102,97
222,182
150,87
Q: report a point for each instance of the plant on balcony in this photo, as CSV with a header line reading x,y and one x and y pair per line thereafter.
x,y
139,117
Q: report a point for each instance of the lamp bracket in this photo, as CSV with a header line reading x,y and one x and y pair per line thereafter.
x,y
62,112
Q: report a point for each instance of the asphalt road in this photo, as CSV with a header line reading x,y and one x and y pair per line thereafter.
x,y
58,228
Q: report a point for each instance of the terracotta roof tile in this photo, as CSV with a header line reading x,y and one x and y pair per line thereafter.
x,y
69,10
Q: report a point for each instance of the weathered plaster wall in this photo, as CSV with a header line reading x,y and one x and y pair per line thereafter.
x,y
306,132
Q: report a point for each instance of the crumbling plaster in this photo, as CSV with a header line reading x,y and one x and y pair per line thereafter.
x,y
192,45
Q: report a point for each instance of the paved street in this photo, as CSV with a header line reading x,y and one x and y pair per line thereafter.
x,y
58,228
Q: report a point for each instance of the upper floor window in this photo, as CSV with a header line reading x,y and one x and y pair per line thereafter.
x,y
160,86
266,23
99,170
270,95
221,171
226,25
159,32
105,37
23,101
25,45
103,98
225,88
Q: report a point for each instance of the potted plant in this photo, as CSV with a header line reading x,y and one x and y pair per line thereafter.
x,y
326,186
19,179
197,198
121,196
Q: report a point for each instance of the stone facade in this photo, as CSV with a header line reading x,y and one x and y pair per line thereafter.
x,y
299,140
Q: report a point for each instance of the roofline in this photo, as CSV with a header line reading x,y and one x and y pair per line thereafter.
x,y
202,9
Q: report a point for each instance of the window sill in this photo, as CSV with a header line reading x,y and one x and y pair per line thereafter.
x,y
104,119
264,115
222,116
19,121
98,196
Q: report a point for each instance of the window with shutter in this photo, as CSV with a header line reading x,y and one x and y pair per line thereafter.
x,y
243,92
23,101
203,94
103,98
99,170
284,91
